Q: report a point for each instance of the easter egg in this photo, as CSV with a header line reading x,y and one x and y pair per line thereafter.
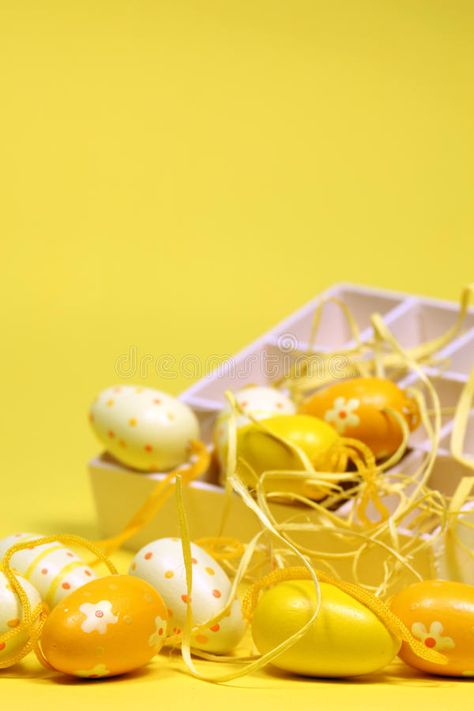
x,y
346,639
439,613
161,563
355,408
144,428
265,453
52,568
259,401
11,613
110,626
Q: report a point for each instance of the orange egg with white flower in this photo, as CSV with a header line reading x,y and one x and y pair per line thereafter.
x,y
359,408
110,626
440,614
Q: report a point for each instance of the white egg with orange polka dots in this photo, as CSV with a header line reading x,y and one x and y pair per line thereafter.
x,y
144,428
11,614
161,563
259,401
52,568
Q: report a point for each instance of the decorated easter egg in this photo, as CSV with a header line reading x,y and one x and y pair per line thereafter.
x,y
453,550
110,626
161,563
52,568
263,453
144,428
439,613
356,408
346,639
11,613
259,401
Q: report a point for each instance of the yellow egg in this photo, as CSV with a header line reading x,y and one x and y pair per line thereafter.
x,y
346,639
107,627
265,453
11,613
259,401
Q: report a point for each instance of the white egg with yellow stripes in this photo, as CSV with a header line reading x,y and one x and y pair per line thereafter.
x,y
161,564
11,614
52,568
144,428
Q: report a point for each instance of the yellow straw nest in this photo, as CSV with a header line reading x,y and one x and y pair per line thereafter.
x,y
381,530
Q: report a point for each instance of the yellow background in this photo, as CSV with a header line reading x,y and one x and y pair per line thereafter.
x,y
176,177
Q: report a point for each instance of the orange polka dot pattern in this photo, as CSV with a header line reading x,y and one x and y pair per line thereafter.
x,y
144,428
161,564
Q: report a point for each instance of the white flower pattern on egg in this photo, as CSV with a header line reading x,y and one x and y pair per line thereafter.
x,y
97,671
432,638
98,616
156,638
343,414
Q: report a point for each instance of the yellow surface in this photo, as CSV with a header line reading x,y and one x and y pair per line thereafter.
x,y
176,176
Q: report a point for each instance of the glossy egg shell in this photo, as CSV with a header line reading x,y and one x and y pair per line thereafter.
x,y
222,637
261,402
110,626
439,613
264,453
53,569
11,613
161,563
144,428
346,639
355,409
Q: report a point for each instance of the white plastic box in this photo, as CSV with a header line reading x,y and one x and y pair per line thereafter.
x,y
120,491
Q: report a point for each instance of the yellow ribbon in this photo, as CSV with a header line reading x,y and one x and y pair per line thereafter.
x,y
163,490
461,417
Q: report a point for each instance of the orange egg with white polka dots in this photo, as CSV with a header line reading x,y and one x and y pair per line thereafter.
x,y
110,626
161,563
358,408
